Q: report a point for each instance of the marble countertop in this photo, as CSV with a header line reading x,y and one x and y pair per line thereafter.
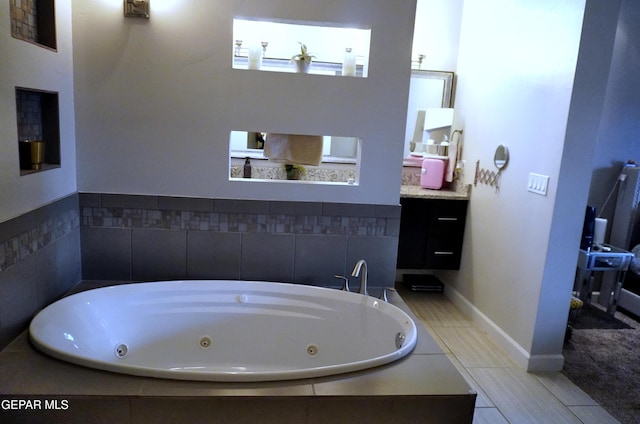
x,y
461,192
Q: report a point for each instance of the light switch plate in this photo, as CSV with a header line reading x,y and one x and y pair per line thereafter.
x,y
538,184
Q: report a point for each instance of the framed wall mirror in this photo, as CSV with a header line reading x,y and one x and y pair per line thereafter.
x,y
427,90
436,85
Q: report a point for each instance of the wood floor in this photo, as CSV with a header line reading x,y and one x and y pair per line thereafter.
x,y
506,393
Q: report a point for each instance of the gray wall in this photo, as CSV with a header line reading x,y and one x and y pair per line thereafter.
x,y
146,238
39,261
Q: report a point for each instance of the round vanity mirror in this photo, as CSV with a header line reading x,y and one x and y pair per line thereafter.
x,y
501,158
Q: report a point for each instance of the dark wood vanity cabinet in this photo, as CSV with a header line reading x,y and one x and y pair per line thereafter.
x,y
431,233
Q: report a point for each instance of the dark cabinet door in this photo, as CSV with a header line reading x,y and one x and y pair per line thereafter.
x,y
412,244
431,233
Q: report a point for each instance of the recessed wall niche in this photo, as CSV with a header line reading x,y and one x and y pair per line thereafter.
x,y
34,21
38,123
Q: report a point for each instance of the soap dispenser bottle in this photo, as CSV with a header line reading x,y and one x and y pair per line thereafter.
x,y
443,147
247,168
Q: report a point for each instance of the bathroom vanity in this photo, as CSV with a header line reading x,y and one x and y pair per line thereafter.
x,y
431,227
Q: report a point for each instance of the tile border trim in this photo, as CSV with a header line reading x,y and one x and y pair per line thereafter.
x,y
25,235
243,216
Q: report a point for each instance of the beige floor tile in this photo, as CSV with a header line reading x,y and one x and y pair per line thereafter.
x,y
506,394
473,347
482,401
593,415
567,392
436,310
488,416
521,397
428,342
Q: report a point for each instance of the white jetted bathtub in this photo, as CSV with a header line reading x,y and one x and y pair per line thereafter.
x,y
223,330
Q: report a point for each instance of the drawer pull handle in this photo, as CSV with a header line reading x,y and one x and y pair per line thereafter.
x,y
447,219
442,253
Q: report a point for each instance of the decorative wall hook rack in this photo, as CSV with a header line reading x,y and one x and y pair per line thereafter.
x,y
486,176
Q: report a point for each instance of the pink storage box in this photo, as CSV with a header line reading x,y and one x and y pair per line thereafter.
x,y
432,173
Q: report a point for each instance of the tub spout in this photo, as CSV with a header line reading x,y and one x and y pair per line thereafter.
x,y
360,269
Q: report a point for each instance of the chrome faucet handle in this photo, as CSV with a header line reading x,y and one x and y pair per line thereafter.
x,y
345,283
384,296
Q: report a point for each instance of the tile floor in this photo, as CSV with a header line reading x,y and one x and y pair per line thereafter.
x,y
506,393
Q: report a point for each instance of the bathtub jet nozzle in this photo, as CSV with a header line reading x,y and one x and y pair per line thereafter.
x,y
121,350
400,337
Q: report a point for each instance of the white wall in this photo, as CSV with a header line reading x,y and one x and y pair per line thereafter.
x,y
29,66
156,99
437,33
584,121
516,67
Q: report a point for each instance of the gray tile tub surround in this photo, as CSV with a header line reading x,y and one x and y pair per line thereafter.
x,y
45,264
24,235
130,237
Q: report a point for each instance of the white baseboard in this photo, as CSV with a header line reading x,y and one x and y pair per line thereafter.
x,y
545,363
535,363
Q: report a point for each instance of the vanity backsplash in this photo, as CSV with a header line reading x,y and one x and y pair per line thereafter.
x,y
311,174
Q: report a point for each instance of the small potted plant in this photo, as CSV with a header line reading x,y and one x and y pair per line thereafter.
x,y
294,172
303,59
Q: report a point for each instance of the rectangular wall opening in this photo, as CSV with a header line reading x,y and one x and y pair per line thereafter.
x,y
312,159
334,49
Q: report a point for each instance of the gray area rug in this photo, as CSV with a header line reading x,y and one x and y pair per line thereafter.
x,y
592,317
605,363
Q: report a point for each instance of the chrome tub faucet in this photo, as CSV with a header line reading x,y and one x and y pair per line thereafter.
x,y
360,269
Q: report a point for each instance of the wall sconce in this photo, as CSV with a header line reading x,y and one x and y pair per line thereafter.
x,y
136,8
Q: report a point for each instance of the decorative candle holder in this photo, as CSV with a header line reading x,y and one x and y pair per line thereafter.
x,y
31,154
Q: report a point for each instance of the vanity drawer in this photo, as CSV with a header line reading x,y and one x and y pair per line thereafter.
x,y
447,217
443,252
